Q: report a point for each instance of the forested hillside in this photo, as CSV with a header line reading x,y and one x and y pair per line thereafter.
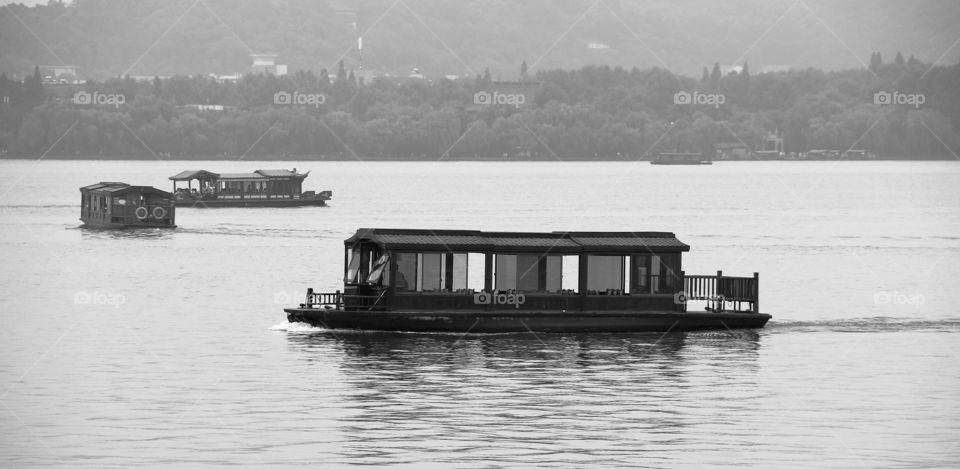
x,y
592,112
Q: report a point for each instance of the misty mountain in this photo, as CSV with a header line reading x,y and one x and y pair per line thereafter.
x,y
116,37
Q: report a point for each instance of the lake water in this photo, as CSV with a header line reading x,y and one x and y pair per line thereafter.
x,y
142,348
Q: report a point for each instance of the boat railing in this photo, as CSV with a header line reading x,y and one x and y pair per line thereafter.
x,y
342,301
320,300
741,293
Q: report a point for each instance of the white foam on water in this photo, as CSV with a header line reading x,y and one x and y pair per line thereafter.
x,y
296,327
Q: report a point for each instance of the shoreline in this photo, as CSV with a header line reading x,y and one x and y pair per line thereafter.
x,y
440,160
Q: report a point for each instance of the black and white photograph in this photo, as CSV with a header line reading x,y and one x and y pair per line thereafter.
x,y
480,233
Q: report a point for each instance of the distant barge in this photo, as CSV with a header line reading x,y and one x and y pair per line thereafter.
x,y
117,205
486,282
680,159
261,188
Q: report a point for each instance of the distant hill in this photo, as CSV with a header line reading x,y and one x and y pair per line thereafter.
x,y
107,38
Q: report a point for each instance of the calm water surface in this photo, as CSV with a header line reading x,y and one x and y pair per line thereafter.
x,y
143,348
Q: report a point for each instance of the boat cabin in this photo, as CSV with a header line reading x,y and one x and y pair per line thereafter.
x,y
429,270
120,205
260,184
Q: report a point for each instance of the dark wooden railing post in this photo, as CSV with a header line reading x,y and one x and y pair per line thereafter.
x,y
756,292
718,293
682,307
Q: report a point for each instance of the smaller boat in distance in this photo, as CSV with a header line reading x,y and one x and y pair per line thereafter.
x,y
117,205
261,188
822,155
482,282
856,154
681,159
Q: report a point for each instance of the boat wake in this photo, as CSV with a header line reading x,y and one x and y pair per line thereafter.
x,y
874,324
250,231
297,327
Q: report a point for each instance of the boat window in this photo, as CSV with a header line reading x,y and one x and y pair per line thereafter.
x,y
553,276
433,270
459,269
570,279
476,271
605,275
655,273
669,273
641,274
506,272
406,271
379,271
353,263
529,273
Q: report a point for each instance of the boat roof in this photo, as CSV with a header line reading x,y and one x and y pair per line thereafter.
x,y
121,188
193,174
258,174
557,242
241,176
281,173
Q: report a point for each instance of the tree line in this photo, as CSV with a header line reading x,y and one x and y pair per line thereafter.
x,y
596,112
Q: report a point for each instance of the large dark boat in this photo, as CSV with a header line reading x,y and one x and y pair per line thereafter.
x,y
681,159
261,188
473,281
117,205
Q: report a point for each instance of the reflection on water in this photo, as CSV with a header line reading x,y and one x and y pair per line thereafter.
x,y
386,350
514,396
90,234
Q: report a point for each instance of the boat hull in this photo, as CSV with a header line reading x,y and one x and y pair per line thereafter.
x,y
102,225
216,203
525,321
